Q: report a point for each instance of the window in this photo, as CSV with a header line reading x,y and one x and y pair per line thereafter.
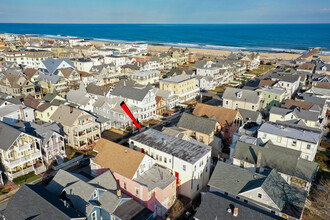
x,y
165,160
136,192
184,167
279,139
242,164
237,197
125,186
294,143
156,157
94,215
245,201
95,194
308,146
226,102
197,186
226,193
252,107
306,157
160,158
259,195
201,138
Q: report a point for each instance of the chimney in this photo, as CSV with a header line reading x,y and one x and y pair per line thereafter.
x,y
235,214
71,109
118,192
258,160
21,113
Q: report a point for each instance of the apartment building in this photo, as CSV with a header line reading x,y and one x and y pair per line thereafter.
x,y
146,77
182,86
188,161
28,58
234,98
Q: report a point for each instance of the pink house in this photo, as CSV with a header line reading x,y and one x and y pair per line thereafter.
x,y
137,174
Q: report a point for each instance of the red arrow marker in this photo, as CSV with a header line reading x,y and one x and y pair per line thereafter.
x,y
128,112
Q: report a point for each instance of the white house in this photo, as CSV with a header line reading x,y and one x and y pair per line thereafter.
x,y
11,113
289,82
117,60
189,162
303,139
146,77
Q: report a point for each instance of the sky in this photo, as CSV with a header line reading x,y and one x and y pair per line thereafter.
x,y
165,11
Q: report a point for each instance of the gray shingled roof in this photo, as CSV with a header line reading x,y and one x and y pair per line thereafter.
x,y
249,115
215,205
300,114
197,123
282,159
285,77
53,64
246,95
35,202
176,147
282,130
130,92
8,135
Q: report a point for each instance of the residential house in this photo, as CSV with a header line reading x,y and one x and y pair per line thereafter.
x,y
44,111
118,61
146,77
311,106
267,190
53,66
137,175
32,74
306,67
182,86
51,83
203,130
272,97
188,161
71,75
296,116
229,120
251,61
52,142
81,98
35,201
160,105
83,64
294,170
171,100
143,99
300,138
322,68
290,82
250,116
234,98
180,54
80,128
216,205
105,73
184,71
86,78
206,82
96,91
16,86
20,152
13,113
98,198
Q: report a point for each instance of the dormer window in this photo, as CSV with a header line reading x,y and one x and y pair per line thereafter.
x,y
95,194
239,95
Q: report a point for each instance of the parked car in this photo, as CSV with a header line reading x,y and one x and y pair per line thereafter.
x,y
84,163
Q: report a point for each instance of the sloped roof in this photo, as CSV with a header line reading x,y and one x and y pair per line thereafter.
x,y
282,159
64,116
29,72
8,135
34,201
66,72
223,115
97,90
117,158
246,95
53,64
289,103
249,115
130,92
322,85
264,82
197,123
106,180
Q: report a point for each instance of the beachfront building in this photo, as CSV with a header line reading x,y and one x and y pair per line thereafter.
x,y
80,129
301,138
20,152
28,58
137,175
182,86
146,77
188,161
234,98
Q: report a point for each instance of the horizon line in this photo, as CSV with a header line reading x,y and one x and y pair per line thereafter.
x,y
163,23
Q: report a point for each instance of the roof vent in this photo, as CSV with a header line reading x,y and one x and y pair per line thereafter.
x,y
125,150
229,210
235,214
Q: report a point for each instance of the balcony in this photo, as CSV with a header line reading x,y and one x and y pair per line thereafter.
x,y
14,163
86,125
12,176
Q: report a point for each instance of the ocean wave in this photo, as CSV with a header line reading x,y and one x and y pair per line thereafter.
x,y
223,47
183,45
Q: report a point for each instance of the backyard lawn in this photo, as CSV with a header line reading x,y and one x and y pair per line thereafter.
x,y
260,70
27,178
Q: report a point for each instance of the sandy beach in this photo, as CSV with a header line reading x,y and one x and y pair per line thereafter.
x,y
222,53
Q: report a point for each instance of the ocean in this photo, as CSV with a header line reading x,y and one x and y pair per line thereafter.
x,y
295,38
